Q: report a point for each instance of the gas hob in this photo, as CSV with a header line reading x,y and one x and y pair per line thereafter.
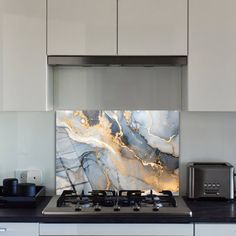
x,y
124,202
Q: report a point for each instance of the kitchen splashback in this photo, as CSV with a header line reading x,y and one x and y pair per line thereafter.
x,y
117,150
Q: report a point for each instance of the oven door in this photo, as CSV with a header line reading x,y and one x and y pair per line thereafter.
x,y
116,229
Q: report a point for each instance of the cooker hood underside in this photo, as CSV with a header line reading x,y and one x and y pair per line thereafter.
x,y
137,61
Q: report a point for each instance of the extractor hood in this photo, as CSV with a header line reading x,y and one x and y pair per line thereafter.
x,y
117,60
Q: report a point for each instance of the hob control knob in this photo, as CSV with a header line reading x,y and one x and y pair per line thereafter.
x,y
116,208
97,208
136,207
78,208
155,207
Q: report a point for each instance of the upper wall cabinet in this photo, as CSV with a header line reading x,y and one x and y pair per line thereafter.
x,y
212,49
24,83
82,27
152,27
131,27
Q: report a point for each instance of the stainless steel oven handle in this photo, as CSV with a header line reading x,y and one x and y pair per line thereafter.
x,y
3,230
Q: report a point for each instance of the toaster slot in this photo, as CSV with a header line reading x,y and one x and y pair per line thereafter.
x,y
211,192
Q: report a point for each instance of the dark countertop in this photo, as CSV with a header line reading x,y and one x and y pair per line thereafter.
x,y
212,211
203,211
22,214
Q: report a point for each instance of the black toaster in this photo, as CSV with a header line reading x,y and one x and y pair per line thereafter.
x,y
210,180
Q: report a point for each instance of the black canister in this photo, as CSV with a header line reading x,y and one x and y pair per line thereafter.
x,y
10,187
26,190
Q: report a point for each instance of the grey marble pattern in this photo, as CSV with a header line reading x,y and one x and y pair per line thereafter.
x,y
117,150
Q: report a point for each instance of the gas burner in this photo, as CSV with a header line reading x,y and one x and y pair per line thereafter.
x,y
110,198
103,193
67,196
130,198
103,198
130,193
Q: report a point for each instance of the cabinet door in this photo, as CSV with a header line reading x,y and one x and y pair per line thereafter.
x,y
215,229
81,27
212,50
19,229
23,62
117,229
152,27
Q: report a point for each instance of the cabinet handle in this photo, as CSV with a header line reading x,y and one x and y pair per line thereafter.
x,y
3,230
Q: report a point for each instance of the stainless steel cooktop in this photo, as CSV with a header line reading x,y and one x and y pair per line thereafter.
x,y
103,202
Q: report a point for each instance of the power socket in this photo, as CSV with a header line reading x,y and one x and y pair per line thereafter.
x,y
21,175
34,176
29,176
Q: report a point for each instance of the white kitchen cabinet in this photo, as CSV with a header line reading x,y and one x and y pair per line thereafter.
x,y
82,27
215,229
19,229
211,79
117,229
24,75
152,27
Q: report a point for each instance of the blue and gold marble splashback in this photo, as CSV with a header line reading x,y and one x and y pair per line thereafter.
x,y
117,150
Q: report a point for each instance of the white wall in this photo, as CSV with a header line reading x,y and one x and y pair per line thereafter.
x,y
27,141
206,136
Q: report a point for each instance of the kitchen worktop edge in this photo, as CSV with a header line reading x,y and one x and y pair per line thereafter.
x,y
202,212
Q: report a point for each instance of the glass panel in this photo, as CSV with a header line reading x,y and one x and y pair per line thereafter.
x,y
117,150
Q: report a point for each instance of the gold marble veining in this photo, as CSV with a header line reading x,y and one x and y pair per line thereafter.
x,y
117,150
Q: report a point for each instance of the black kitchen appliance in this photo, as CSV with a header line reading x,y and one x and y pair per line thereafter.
x,y
21,201
26,190
122,203
10,187
210,180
